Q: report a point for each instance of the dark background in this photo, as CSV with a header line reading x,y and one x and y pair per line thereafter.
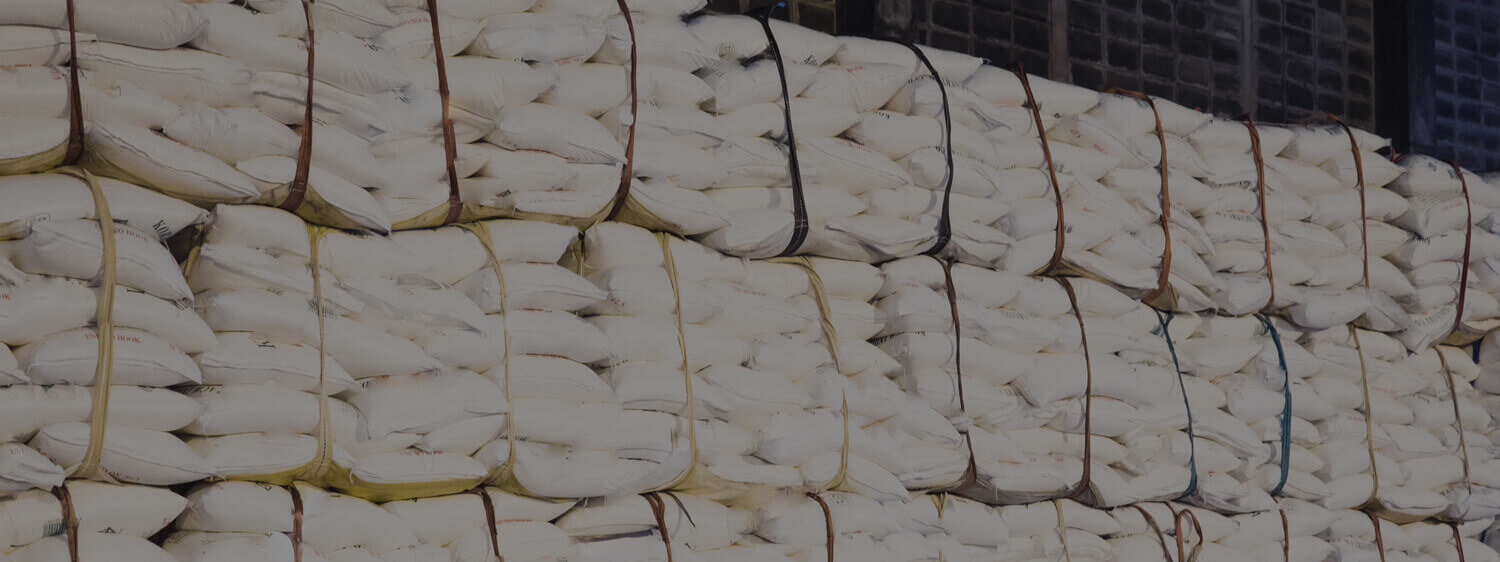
x,y
1425,73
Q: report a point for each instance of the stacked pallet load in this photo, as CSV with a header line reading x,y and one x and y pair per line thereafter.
x,y
467,281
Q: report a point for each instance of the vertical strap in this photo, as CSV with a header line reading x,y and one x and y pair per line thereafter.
x,y
1364,215
827,521
945,219
971,472
70,519
105,326
1062,530
1260,194
297,190
1162,279
75,95
1166,319
297,511
670,264
1088,397
481,230
1379,537
801,225
627,173
659,511
1156,528
820,298
1458,424
489,521
1182,553
1286,408
1286,537
1364,380
1458,540
322,465
450,143
1463,277
1041,131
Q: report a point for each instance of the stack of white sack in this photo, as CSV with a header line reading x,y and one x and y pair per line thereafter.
x,y
229,84
568,434
521,525
1242,424
786,391
111,522
626,528
944,526
867,117
1390,440
1436,540
252,521
1354,538
318,374
1263,537
1025,373
1126,243
53,284
1056,530
1447,216
1486,273
1323,253
1149,531
796,527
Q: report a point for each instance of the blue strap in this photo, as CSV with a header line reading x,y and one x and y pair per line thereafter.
x,y
1165,320
1286,409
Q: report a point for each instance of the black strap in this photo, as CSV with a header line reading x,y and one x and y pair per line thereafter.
x,y
945,220
1165,319
801,225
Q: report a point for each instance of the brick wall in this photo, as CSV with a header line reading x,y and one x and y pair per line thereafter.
x,y
1466,96
1283,60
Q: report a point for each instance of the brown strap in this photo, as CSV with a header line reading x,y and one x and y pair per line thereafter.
x,y
1364,381
827,521
1162,278
1379,538
1088,396
1260,194
450,143
1458,540
297,190
1463,277
622,193
489,521
1359,175
1286,537
296,522
1458,425
1182,554
971,473
75,95
1041,131
1160,536
659,510
69,514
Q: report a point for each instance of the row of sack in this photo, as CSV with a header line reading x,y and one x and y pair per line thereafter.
x,y
426,389
244,521
550,110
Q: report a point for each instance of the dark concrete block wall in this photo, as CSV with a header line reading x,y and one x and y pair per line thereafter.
x,y
1466,84
1424,72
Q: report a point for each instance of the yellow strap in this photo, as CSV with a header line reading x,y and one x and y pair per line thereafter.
x,y
1062,529
670,264
105,327
1458,424
831,339
322,466
820,296
481,230
1364,380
